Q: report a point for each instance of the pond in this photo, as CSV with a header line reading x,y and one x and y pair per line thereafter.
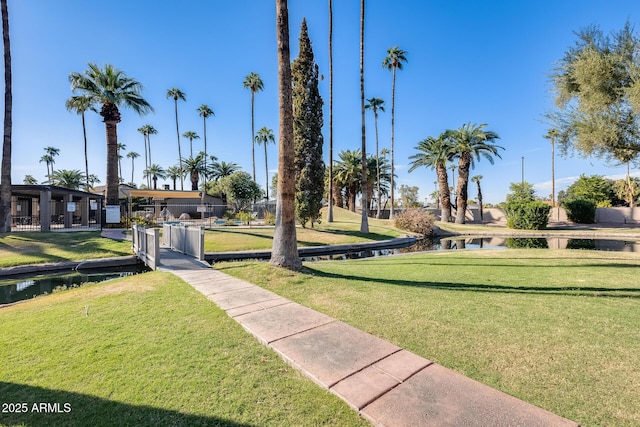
x,y
457,243
18,289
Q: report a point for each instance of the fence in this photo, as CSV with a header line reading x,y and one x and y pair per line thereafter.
x,y
185,239
146,245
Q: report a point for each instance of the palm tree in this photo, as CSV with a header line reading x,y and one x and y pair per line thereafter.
x,y
121,148
364,221
5,174
265,136
469,142
393,62
68,178
155,171
146,131
254,83
79,104
52,152
285,249
434,153
190,135
205,112
477,179
348,175
552,134
93,180
330,213
177,94
194,166
48,160
375,104
111,88
173,173
132,155
29,180
221,169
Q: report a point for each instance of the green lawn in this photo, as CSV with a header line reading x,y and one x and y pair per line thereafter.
x,y
558,329
343,230
23,248
151,352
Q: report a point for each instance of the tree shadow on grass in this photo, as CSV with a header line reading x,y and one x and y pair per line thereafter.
x,y
74,409
481,287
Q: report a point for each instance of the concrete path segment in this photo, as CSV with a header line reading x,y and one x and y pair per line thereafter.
x,y
387,385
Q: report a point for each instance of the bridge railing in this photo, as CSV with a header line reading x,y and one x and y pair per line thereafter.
x,y
146,245
183,238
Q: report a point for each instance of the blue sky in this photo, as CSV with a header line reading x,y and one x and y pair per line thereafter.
x,y
468,61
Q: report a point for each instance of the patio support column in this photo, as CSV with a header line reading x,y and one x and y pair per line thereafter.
x,y
84,211
68,216
45,210
35,211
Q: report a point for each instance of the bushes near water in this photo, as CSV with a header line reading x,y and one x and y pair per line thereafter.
x,y
530,215
581,211
415,221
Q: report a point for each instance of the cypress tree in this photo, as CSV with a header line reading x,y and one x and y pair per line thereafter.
x,y
307,128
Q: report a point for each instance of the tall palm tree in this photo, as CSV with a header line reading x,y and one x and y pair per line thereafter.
x,y
375,104
393,62
132,155
254,83
205,112
364,221
93,180
173,173
156,172
5,173
331,186
47,159
434,153
121,148
265,136
79,104
190,135
476,179
110,88
52,152
194,167
146,131
552,134
285,249
177,94
470,142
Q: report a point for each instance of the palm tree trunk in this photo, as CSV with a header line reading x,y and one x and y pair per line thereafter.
x,y
375,123
393,117
463,184
133,166
266,170
179,149
112,195
285,250
5,174
86,155
480,200
330,214
206,173
253,137
364,222
443,184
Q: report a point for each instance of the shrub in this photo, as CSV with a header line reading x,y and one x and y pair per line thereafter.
x,y
532,215
244,217
581,211
269,218
415,221
141,221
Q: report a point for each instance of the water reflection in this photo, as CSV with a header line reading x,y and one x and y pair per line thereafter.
x,y
13,290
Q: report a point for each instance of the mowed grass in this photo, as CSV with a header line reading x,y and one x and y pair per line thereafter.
x,y
23,248
151,352
558,329
344,229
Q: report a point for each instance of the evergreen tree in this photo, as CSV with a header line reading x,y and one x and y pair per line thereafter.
x,y
307,127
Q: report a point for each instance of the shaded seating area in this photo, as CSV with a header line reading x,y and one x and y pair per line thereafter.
x,y
49,207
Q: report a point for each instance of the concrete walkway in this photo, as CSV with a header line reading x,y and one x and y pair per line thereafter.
x,y
387,385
